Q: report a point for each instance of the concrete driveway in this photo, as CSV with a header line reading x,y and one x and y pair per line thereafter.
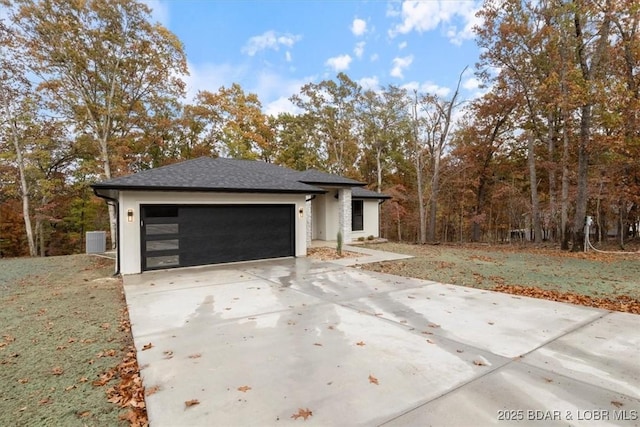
x,y
261,343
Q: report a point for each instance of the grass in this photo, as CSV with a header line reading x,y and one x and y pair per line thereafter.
x,y
589,274
65,333
62,327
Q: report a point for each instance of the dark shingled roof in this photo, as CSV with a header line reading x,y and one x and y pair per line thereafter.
x,y
224,175
363,193
209,174
313,176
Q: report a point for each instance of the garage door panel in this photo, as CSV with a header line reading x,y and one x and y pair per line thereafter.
x,y
224,233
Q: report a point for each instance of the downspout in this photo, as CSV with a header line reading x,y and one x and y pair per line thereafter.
x,y
115,202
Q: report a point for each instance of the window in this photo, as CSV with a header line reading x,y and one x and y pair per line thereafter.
x,y
357,215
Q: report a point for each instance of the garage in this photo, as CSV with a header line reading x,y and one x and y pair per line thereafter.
x,y
215,210
189,235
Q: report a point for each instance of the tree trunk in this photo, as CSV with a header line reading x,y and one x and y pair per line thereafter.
x,y
553,186
533,180
435,189
418,164
379,168
106,165
24,192
582,178
421,210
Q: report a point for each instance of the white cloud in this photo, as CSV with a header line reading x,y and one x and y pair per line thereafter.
x,y
339,63
369,83
359,49
269,40
280,105
427,87
211,77
287,56
358,27
274,90
471,83
399,64
402,45
423,16
159,11
374,57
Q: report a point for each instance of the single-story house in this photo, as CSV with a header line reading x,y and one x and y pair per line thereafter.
x,y
216,210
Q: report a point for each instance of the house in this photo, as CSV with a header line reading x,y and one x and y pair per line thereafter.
x,y
216,210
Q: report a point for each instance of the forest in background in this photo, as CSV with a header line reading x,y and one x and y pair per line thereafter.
x,y
91,90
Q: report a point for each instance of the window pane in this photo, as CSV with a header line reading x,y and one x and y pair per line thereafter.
x,y
160,211
162,245
163,261
357,215
155,229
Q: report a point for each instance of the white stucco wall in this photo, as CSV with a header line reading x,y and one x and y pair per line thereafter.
x,y
319,215
370,220
129,233
326,216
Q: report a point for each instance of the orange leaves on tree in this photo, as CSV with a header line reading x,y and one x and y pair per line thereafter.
x,y
303,413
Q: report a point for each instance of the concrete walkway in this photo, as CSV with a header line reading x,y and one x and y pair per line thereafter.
x,y
261,343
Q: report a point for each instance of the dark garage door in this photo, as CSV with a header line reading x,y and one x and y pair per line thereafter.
x,y
182,236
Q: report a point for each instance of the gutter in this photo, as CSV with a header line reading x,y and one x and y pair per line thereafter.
x,y
116,203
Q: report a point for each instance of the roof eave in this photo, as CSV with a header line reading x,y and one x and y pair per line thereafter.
x,y
334,184
99,188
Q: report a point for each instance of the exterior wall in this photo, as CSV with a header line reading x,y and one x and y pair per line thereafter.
x,y
370,221
326,216
129,233
318,220
332,222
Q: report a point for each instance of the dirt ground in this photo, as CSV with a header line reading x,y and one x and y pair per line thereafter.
x,y
518,269
62,334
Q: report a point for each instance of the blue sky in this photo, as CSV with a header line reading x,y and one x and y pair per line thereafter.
x,y
272,47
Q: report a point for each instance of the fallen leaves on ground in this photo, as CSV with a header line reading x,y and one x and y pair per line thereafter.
x,y
147,346
620,303
327,254
302,413
57,370
129,392
244,388
149,391
361,343
192,402
373,380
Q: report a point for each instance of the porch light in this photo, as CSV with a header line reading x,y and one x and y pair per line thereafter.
x,y
301,212
129,215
